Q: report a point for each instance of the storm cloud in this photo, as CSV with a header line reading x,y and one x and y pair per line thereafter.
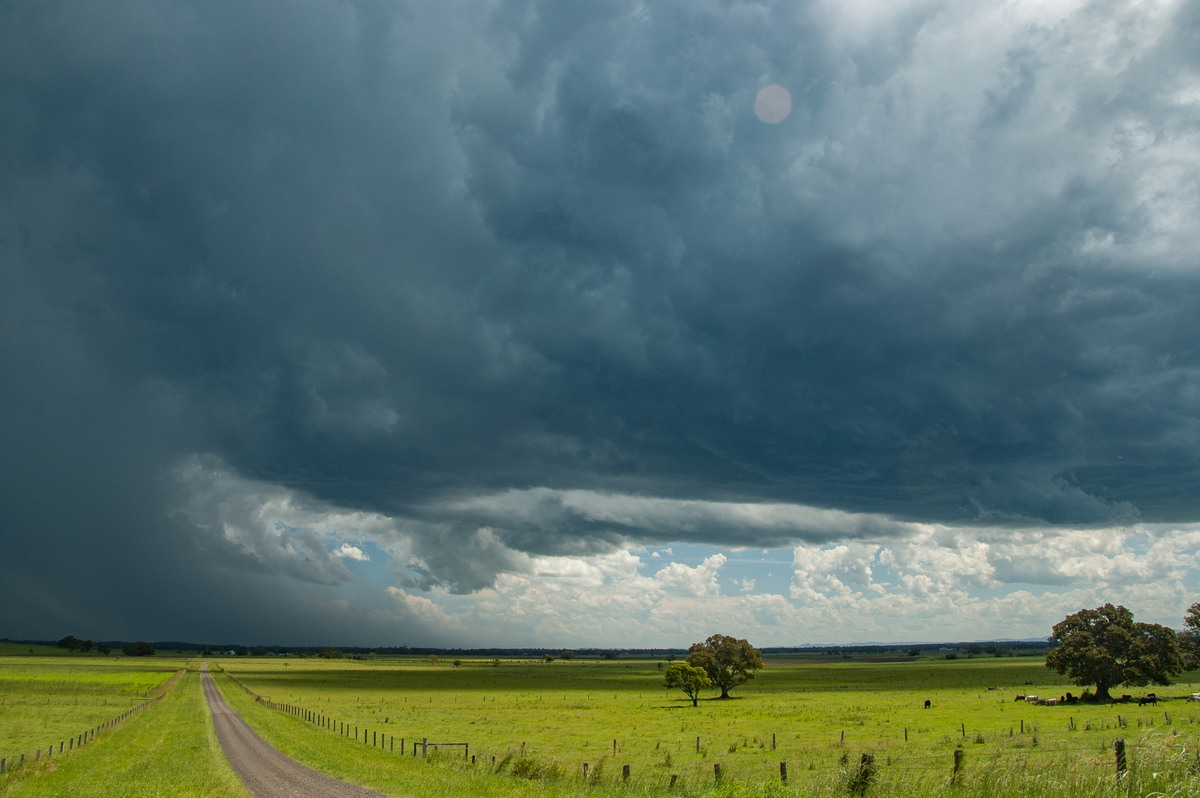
x,y
366,322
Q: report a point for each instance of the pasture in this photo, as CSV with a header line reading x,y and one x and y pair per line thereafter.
x,y
166,750
547,720
49,699
531,726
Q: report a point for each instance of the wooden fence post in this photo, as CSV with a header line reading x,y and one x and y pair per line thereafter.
x,y
1119,749
717,772
864,775
674,777
624,772
783,772
956,774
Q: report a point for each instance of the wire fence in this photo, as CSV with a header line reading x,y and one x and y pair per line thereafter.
x,y
1113,755
10,764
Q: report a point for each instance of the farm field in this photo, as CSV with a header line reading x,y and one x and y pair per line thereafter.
x,y
549,719
166,750
531,726
46,700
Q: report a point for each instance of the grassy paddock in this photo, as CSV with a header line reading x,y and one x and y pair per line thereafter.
x,y
45,701
543,721
169,750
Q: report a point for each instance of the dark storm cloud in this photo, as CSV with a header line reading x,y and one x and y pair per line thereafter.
x,y
399,258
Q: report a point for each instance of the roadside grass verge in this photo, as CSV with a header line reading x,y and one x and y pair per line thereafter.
x,y
169,750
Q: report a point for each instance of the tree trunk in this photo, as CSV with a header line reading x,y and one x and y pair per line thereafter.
x,y
724,691
1102,692
694,700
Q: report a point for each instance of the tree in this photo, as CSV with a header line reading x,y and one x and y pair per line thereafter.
x,y
329,652
70,643
727,660
690,679
139,649
1106,647
1189,638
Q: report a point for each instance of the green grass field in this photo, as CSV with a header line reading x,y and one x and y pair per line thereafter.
x,y
818,718
166,750
48,700
531,726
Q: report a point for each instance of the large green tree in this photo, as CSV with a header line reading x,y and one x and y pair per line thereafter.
x,y
690,679
1106,647
727,660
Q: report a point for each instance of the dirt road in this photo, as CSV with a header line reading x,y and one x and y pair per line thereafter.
x,y
266,772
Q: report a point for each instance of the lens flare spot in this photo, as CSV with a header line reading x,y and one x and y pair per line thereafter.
x,y
773,104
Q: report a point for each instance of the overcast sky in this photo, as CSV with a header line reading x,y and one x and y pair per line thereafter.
x,y
611,323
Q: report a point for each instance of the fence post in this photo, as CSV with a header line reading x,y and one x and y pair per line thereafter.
x,y
1119,749
585,768
864,775
717,772
783,772
958,761
424,746
3,765
624,772
674,777
772,741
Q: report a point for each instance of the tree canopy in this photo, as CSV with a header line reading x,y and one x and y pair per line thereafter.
x,y
1106,647
139,649
690,679
727,660
1189,638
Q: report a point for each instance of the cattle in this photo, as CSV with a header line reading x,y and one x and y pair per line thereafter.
x,y
1031,699
928,703
1194,697
1148,698
1020,697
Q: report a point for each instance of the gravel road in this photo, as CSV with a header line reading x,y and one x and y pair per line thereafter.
x,y
266,772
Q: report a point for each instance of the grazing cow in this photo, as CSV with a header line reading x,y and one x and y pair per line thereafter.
x,y
1148,698
1194,697
1050,702
1020,697
1031,699
928,703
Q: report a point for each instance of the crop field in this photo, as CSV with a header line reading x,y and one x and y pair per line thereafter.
x,y
47,700
547,720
